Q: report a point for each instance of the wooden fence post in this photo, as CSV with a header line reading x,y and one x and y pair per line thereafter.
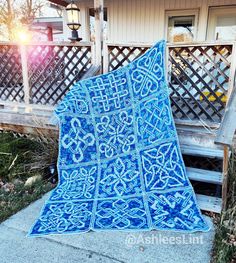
x,y
26,86
232,70
93,54
98,26
225,177
105,59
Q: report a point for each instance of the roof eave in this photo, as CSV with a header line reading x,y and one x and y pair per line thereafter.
x,y
59,2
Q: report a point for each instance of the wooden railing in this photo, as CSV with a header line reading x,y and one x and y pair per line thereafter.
x,y
226,131
41,73
199,76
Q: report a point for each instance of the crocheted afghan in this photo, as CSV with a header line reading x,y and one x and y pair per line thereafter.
x,y
119,164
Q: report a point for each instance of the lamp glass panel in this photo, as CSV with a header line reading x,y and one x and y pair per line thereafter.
x,y
74,26
73,14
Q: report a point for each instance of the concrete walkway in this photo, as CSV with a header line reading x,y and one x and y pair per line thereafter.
x,y
135,247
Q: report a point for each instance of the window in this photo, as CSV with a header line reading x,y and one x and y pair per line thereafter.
x,y
181,26
222,23
91,24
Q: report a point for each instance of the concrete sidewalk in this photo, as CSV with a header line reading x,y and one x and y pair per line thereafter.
x,y
145,247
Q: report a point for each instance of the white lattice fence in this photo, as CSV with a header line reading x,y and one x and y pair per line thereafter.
x,y
54,69
41,73
198,77
11,81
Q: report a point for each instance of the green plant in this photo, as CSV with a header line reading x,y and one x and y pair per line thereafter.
x,y
22,158
15,155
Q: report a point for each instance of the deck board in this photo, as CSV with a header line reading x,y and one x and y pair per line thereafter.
x,y
209,203
202,175
195,150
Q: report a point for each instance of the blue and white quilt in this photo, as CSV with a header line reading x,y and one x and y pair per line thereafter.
x,y
119,164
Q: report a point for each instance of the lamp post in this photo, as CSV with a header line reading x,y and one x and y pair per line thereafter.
x,y
73,12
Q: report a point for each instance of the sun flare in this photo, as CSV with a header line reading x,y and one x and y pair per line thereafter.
x,y
23,36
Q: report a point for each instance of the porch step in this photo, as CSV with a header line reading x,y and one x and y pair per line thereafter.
x,y
209,203
195,150
26,123
205,176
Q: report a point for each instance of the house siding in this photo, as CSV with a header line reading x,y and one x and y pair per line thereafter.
x,y
138,21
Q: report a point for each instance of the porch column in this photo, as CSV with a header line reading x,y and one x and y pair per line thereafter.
x,y
203,17
25,76
98,27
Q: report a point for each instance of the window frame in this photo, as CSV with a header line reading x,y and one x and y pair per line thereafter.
x,y
185,12
213,12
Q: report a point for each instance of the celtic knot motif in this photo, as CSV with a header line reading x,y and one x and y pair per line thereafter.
x,y
175,210
148,75
120,214
76,102
154,121
115,134
76,184
109,93
77,140
59,218
119,178
163,168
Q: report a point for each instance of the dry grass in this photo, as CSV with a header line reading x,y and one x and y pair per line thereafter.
x,y
225,238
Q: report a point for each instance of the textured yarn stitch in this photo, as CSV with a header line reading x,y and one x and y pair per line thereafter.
x,y
119,164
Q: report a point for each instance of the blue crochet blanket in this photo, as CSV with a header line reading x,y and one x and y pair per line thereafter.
x,y
120,165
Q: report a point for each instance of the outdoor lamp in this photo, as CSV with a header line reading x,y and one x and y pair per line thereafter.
x,y
73,12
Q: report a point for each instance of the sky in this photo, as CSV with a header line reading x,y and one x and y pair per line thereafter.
x,y
47,11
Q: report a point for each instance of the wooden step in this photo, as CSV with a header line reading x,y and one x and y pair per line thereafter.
x,y
206,176
209,203
195,150
27,123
